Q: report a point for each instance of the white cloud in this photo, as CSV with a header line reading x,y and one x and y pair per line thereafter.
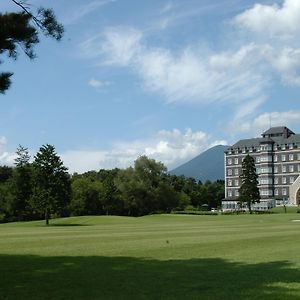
x,y
83,10
121,45
171,147
272,20
262,122
95,83
6,158
193,75
238,76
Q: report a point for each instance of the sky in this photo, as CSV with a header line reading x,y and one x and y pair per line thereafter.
x,y
166,79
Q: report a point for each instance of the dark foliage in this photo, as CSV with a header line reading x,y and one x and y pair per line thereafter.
x,y
20,30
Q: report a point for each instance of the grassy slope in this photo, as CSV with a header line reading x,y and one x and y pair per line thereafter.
x,y
153,257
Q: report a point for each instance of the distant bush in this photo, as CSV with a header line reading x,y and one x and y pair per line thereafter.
x,y
194,212
234,212
298,211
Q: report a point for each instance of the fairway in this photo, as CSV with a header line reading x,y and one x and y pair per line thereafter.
x,y
152,257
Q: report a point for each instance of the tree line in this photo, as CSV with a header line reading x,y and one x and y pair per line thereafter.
x,y
41,188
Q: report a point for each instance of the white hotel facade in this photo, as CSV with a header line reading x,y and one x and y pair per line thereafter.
x,y
277,161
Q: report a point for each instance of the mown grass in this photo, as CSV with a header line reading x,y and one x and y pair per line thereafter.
x,y
153,257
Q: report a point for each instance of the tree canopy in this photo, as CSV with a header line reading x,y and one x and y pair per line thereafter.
x,y
20,31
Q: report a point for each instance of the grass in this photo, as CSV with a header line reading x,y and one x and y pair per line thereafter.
x,y
153,257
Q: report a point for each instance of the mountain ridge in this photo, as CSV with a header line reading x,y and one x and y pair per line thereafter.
x,y
208,165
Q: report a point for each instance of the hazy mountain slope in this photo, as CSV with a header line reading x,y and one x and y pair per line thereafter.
x,y
208,165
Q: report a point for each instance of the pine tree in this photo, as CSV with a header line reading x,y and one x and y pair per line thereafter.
x,y
20,30
249,192
51,183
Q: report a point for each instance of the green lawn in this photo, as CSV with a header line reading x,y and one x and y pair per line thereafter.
x,y
153,257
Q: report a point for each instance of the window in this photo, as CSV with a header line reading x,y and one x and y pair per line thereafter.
x,y
265,192
236,161
276,192
276,180
275,169
229,193
282,147
298,156
229,182
236,193
284,192
284,180
292,179
298,168
229,172
257,159
264,181
291,168
236,182
283,169
237,151
236,172
275,147
291,146
275,158
283,158
229,161
265,158
244,150
266,170
291,156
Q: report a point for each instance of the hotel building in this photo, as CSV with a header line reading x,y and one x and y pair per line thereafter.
x,y
277,161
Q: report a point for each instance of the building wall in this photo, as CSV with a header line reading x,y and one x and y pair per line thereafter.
x,y
277,166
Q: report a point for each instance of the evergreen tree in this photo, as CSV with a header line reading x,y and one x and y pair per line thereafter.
x,y
249,192
51,183
22,188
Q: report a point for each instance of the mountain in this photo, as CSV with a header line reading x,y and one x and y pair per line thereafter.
x,y
209,165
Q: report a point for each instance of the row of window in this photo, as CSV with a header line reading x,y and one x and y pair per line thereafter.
x,y
268,170
268,158
265,148
263,192
287,157
289,169
284,180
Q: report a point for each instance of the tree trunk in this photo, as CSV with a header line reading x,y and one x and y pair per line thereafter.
x,y
47,216
249,207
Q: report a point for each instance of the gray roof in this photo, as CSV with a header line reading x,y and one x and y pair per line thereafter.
x,y
246,143
279,140
277,130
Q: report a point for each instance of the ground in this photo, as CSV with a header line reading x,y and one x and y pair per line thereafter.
x,y
152,257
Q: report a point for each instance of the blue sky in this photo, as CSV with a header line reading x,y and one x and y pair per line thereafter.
x,y
168,79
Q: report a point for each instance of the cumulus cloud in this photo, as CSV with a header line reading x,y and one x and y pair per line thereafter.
x,y
170,147
263,121
6,158
272,20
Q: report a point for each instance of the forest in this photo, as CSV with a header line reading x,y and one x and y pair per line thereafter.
x,y
41,188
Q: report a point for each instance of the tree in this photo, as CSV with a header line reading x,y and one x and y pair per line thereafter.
x,y
249,192
51,183
21,31
22,187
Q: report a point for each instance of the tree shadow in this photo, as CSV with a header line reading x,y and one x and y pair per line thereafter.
x,y
36,277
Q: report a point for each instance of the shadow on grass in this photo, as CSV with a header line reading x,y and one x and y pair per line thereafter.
x,y
34,277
